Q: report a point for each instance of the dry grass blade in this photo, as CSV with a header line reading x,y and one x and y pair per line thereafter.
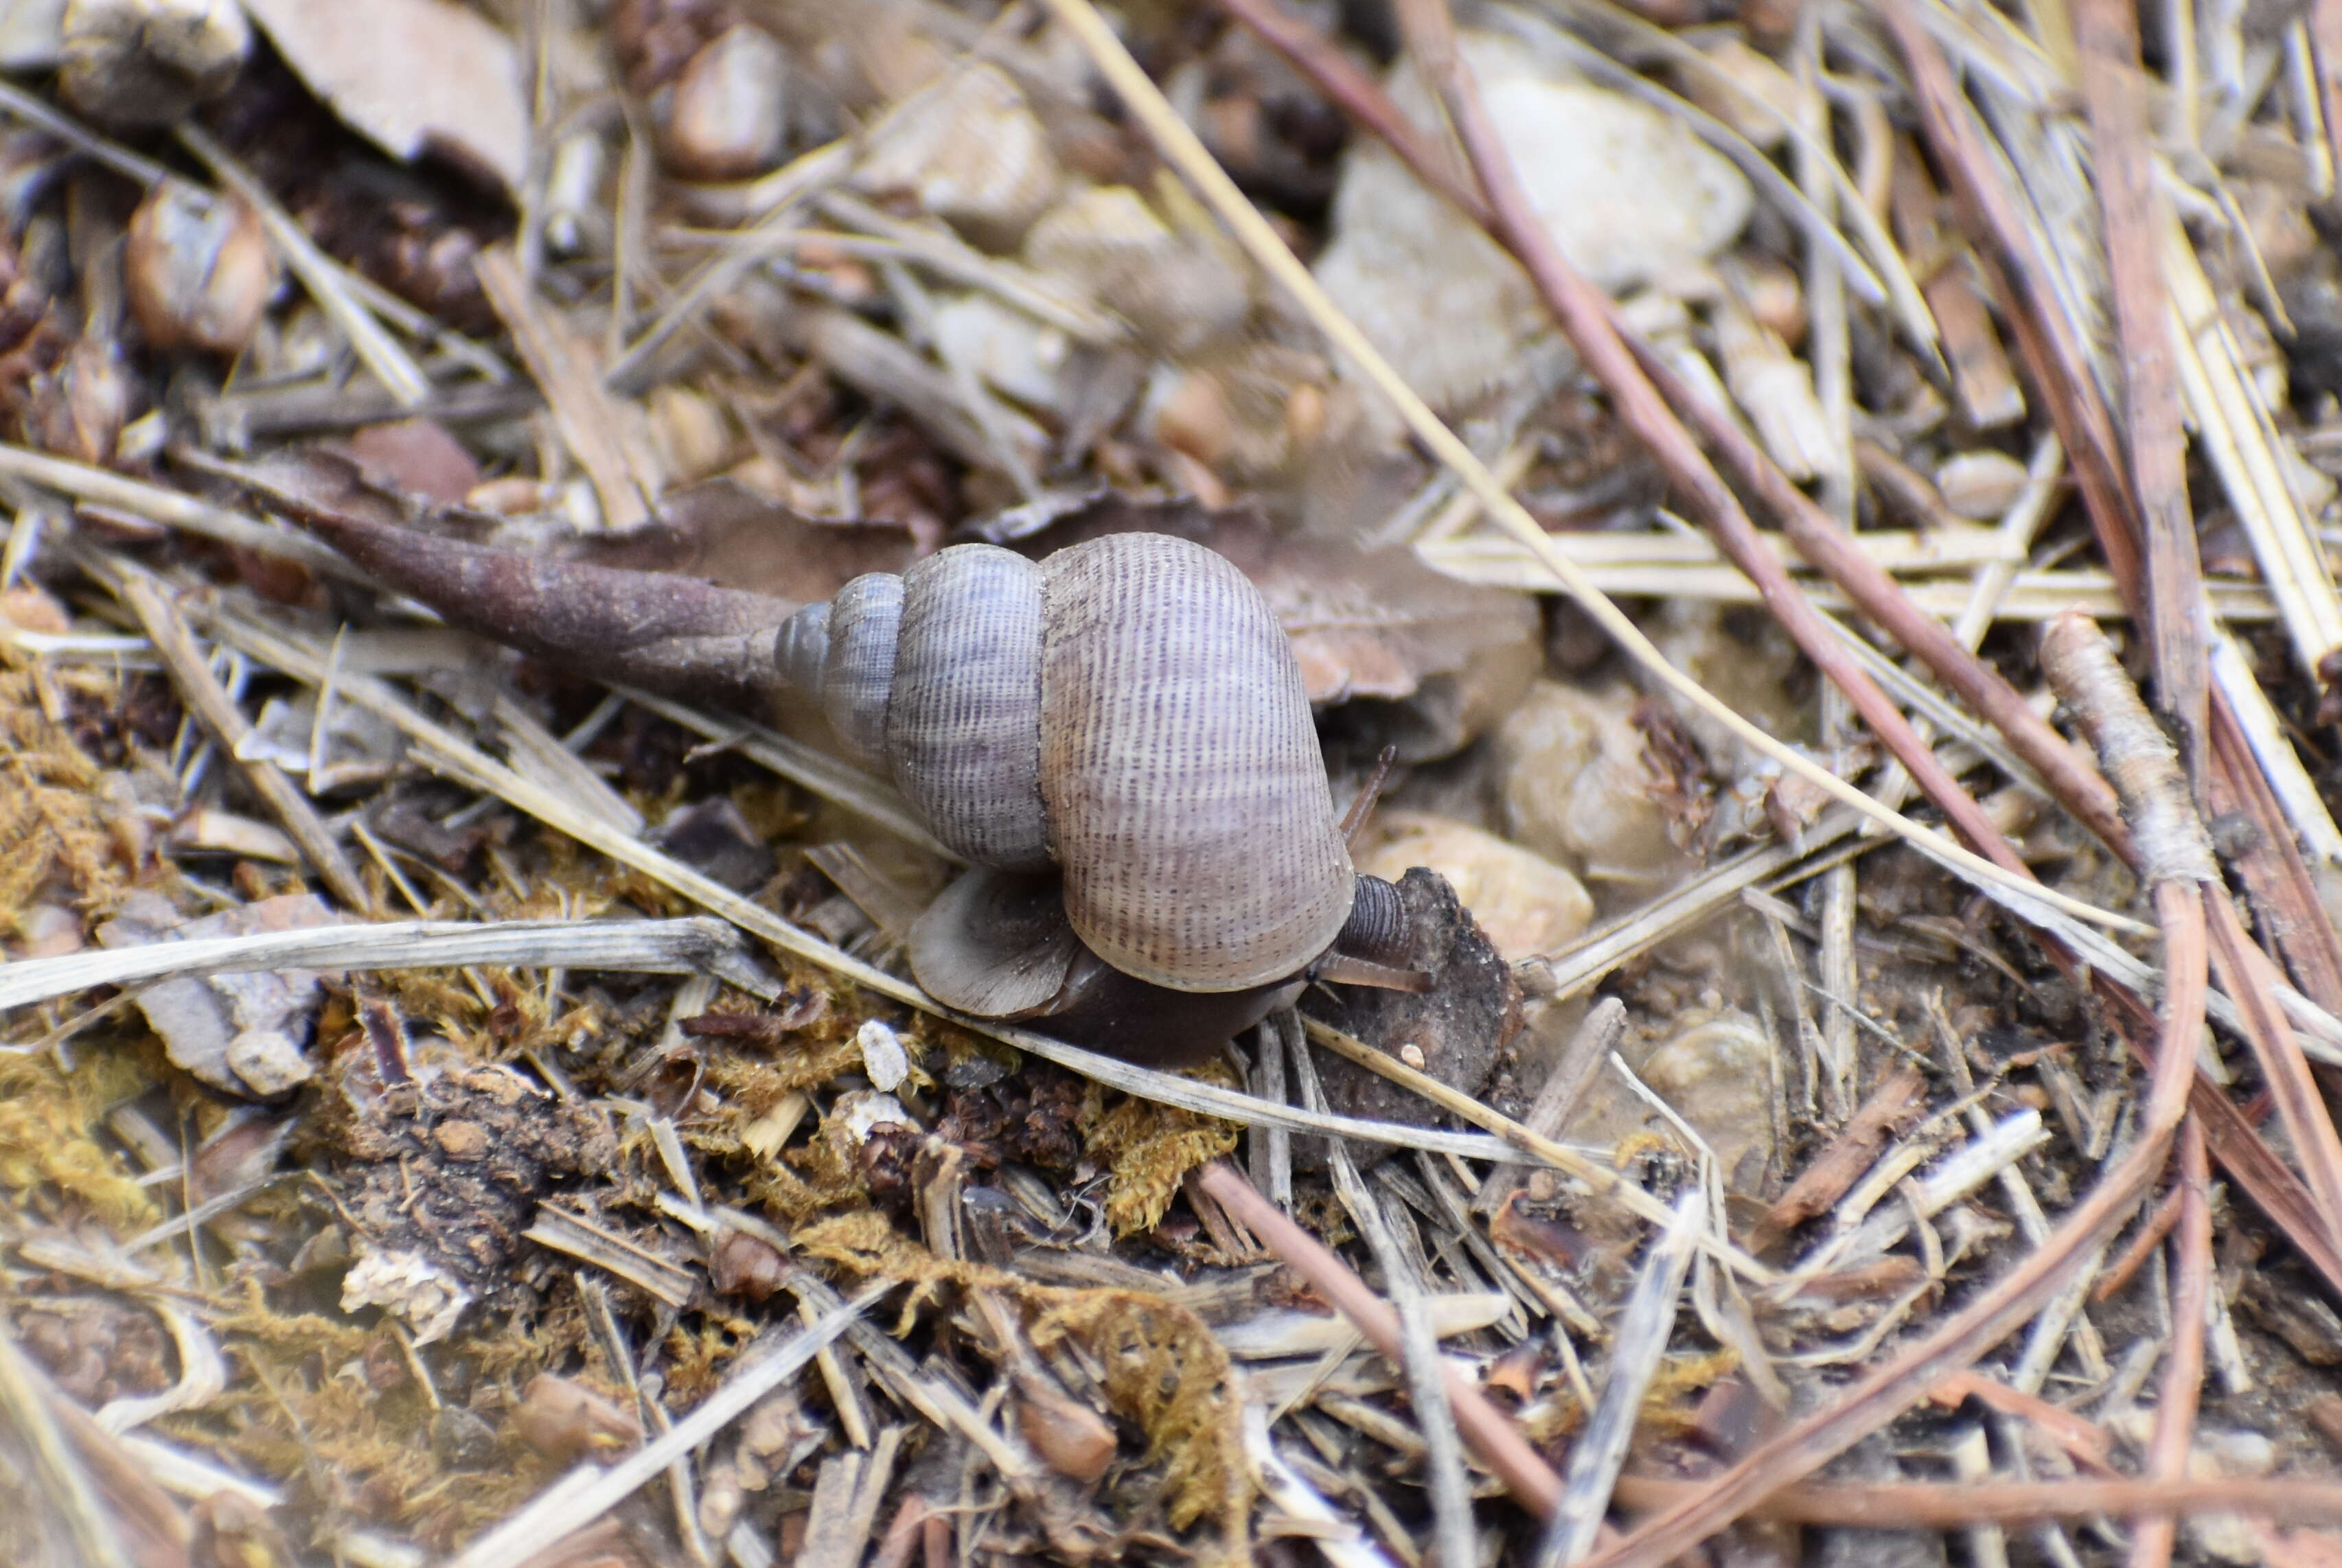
x,y
1644,1325
1260,241
688,947
2240,439
1585,321
1944,1505
2031,595
85,483
459,760
26,1405
1852,567
1606,1184
2140,761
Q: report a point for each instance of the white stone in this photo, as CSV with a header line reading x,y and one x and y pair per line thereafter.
x,y
884,1061
1628,194
864,1111
1981,485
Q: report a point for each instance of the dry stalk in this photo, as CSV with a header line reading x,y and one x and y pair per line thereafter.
x,y
1645,1324
1939,1505
1604,1182
2182,860
561,362
584,1495
1584,320
1809,529
2115,90
689,946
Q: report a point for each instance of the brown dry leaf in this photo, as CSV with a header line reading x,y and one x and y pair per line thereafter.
x,y
1364,622
411,75
729,534
239,1033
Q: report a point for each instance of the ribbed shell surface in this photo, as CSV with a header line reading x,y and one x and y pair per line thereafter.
x,y
801,649
963,726
859,669
1187,794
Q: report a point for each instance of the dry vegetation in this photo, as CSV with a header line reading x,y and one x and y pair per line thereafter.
x,y
1870,1102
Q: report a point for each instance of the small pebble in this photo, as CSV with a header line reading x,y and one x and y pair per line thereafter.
x,y
1981,485
884,1061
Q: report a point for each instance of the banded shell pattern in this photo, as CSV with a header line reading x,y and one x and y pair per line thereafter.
x,y
1128,708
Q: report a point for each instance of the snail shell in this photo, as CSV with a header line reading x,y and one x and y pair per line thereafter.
x,y
1129,709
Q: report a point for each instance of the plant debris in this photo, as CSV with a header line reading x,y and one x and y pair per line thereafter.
x,y
1808,539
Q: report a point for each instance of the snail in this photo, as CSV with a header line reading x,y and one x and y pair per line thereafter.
x,y
1115,738
1122,724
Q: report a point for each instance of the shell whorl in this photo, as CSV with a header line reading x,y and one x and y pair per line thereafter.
x,y
1186,793
858,672
963,730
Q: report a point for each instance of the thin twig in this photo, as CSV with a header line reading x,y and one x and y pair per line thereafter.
x,y
693,946
572,1504
2183,1370
1604,1183
1809,529
561,362
1576,308
2156,800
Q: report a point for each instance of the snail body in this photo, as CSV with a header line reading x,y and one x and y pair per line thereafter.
x,y
1115,738
1127,712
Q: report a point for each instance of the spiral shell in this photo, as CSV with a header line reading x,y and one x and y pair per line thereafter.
x,y
1187,794
1128,708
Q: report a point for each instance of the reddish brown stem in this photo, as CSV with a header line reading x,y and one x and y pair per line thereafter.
x,y
2012,262
901,1537
2114,87
2250,979
1585,318
2183,1370
1491,1432
2139,1248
